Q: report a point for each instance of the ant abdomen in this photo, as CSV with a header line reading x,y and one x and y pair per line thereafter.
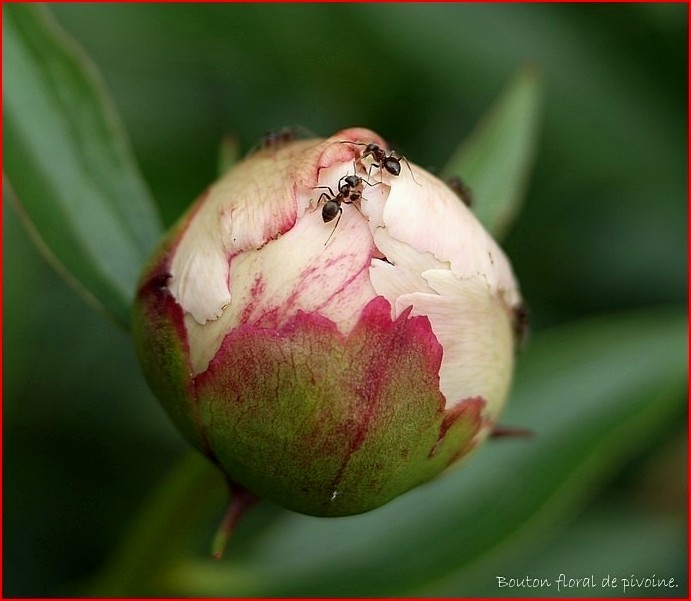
x,y
330,210
393,165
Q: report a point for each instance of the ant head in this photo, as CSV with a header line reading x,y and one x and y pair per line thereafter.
x,y
372,149
352,180
330,210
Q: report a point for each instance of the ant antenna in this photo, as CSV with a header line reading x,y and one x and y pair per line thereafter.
x,y
409,168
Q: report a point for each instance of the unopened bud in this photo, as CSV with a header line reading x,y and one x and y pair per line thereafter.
x,y
330,324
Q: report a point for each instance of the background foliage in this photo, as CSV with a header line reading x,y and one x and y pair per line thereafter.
x,y
599,248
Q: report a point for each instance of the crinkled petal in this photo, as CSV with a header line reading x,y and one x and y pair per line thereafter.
x,y
296,272
474,328
430,218
231,219
257,201
402,270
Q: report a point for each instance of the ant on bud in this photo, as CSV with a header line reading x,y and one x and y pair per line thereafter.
x,y
521,323
280,137
461,189
383,161
349,192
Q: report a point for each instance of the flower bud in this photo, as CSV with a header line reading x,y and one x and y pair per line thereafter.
x,y
329,341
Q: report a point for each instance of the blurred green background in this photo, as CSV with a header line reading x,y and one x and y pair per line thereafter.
x,y
602,233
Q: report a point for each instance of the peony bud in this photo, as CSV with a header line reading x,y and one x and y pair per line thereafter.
x,y
329,342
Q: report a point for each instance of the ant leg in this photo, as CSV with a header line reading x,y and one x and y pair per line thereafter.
x,y
324,188
355,166
381,175
340,213
355,144
358,208
363,170
322,195
349,142
364,181
356,203
409,169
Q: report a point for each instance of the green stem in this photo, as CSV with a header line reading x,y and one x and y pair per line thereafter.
x,y
240,501
164,530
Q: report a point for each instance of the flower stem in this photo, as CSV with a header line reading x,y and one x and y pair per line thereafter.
x,y
240,501
164,530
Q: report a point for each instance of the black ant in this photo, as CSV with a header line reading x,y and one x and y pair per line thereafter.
x,y
521,323
349,192
511,432
461,190
383,161
277,138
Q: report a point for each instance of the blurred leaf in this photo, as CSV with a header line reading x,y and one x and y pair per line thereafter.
x,y
164,527
596,393
69,165
615,539
497,158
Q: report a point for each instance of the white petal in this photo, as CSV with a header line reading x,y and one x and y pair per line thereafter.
x,y
257,201
402,270
474,328
243,210
296,272
430,218
200,280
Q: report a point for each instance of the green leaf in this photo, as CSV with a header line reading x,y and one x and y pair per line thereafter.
x,y
595,393
496,159
611,539
69,165
163,529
